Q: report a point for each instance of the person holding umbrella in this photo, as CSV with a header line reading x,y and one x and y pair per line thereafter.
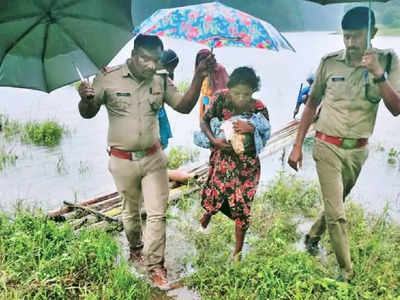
x,y
349,84
133,95
215,81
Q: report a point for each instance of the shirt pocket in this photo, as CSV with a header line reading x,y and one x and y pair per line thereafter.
x,y
118,99
337,87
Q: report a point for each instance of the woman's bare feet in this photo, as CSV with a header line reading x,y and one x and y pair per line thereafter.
x,y
204,220
237,256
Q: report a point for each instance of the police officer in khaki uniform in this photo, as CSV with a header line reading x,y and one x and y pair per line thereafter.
x,y
349,85
133,94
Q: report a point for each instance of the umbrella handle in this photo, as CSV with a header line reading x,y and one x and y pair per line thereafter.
x,y
81,77
79,73
369,26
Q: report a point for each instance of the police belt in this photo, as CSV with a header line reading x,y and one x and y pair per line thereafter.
x,y
134,155
344,143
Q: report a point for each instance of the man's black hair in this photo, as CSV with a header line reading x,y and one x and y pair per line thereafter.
x,y
148,42
169,58
357,18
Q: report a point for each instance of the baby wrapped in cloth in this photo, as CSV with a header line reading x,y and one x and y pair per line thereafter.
x,y
241,143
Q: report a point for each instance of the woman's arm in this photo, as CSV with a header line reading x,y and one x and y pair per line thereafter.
x,y
217,142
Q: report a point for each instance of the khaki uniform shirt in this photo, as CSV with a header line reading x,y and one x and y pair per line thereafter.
x,y
345,110
133,106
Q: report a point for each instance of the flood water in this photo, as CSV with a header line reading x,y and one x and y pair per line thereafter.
x,y
77,169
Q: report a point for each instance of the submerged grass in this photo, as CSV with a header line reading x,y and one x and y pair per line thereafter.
x,y
272,266
41,133
46,133
40,259
7,157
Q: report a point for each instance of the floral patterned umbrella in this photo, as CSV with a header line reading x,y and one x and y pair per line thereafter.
x,y
214,25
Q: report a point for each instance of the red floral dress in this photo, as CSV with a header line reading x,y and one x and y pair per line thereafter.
x,y
232,179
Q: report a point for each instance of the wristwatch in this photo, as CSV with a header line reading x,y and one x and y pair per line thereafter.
x,y
382,78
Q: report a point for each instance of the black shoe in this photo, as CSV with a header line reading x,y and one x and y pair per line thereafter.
x,y
312,245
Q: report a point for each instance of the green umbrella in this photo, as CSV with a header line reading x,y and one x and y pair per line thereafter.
x,y
323,2
42,39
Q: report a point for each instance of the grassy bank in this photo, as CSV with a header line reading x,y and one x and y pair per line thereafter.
x,y
273,267
42,260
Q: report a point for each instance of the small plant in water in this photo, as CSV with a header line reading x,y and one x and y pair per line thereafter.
x,y
177,156
47,133
393,156
7,158
62,168
9,128
83,167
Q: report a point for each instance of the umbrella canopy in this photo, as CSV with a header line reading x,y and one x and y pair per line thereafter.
x,y
324,2
214,25
41,39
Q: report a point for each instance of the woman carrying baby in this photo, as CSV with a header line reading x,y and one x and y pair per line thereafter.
x,y
233,177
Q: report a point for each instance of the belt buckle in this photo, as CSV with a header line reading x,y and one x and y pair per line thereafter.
x,y
137,155
349,143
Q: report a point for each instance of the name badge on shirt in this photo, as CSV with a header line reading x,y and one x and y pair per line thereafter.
x,y
334,79
123,94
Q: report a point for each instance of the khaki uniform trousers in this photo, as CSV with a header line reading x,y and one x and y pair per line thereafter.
x,y
144,181
338,170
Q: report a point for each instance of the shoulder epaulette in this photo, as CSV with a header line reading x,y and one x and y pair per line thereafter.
x,y
162,72
332,54
107,70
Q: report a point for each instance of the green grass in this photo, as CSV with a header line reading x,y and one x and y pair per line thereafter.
x,y
273,268
40,259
